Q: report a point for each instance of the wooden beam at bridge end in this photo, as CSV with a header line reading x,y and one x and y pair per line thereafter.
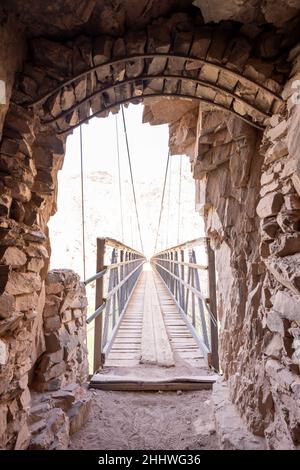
x,y
137,384
214,358
98,356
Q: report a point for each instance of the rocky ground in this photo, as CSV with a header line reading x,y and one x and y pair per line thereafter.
x,y
143,420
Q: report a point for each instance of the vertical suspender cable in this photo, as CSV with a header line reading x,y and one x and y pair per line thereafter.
x,y
132,182
131,231
179,200
119,173
162,202
169,202
82,205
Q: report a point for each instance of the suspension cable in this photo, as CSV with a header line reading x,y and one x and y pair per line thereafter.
x,y
169,202
132,181
119,175
162,201
179,200
131,231
82,204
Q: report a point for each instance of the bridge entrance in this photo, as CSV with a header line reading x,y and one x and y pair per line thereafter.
x,y
155,322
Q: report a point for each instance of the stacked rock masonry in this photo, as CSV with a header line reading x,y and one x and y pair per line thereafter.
x,y
242,62
63,404
65,358
248,190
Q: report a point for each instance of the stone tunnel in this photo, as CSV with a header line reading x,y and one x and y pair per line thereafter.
x,y
225,77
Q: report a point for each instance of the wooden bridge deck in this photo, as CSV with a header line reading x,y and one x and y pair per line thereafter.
x,y
153,348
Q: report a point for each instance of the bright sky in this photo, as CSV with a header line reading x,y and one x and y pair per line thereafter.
x,y
148,145
149,148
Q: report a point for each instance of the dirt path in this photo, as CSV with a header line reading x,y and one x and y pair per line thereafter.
x,y
141,420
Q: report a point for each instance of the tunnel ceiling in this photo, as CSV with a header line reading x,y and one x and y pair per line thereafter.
x,y
64,18
247,182
86,58
68,17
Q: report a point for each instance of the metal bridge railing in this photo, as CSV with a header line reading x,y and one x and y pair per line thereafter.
x,y
188,271
115,283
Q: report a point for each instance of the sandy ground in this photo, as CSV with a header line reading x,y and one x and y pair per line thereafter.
x,y
145,420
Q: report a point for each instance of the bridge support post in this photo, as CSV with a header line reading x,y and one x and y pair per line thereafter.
x,y
98,356
213,306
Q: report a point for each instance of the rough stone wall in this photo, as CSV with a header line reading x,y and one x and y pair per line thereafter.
x,y
66,17
248,191
229,167
64,324
12,54
29,162
279,212
21,331
60,404
249,11
42,342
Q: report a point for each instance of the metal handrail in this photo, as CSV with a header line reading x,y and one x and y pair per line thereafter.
x,y
117,244
118,286
96,312
192,289
122,263
182,279
189,244
107,268
111,292
107,347
183,263
123,273
96,276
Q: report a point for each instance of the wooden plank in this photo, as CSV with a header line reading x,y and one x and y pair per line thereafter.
x,y
181,339
122,356
133,383
122,363
127,341
148,387
155,348
152,298
148,346
125,348
164,351
177,331
130,337
180,336
133,377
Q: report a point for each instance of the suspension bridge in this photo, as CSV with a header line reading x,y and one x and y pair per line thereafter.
x,y
155,321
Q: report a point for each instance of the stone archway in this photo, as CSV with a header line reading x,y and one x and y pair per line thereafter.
x,y
178,57
62,81
173,58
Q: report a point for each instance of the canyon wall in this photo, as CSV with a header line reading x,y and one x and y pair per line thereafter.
x,y
248,191
30,322
12,54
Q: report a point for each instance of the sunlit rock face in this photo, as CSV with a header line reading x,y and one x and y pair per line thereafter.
x,y
247,185
249,195
68,17
253,11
